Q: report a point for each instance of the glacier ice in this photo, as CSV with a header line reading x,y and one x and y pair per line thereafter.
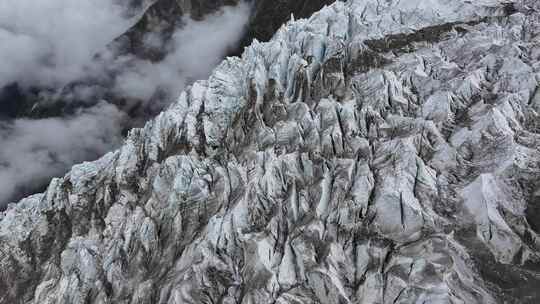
x,y
377,152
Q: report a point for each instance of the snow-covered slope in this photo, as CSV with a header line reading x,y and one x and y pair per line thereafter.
x,y
379,152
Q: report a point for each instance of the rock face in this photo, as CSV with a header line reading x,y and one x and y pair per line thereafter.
x,y
378,152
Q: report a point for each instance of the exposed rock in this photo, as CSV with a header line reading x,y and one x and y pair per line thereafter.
x,y
321,167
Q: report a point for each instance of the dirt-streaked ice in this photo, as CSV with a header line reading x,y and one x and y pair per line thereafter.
x,y
378,152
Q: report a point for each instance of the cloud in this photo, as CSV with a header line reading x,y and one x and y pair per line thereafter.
x,y
50,42
53,43
35,150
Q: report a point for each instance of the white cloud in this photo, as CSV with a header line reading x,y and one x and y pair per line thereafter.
x,y
33,151
53,41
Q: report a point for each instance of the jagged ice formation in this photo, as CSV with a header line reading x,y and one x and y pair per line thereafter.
x,y
378,152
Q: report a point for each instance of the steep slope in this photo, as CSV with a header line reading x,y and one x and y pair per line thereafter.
x,y
379,152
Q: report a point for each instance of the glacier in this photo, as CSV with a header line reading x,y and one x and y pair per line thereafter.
x,y
377,152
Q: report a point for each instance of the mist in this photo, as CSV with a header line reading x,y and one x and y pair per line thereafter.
x,y
50,42
34,150
193,52
53,44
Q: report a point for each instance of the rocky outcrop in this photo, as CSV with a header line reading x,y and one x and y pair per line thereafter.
x,y
378,152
